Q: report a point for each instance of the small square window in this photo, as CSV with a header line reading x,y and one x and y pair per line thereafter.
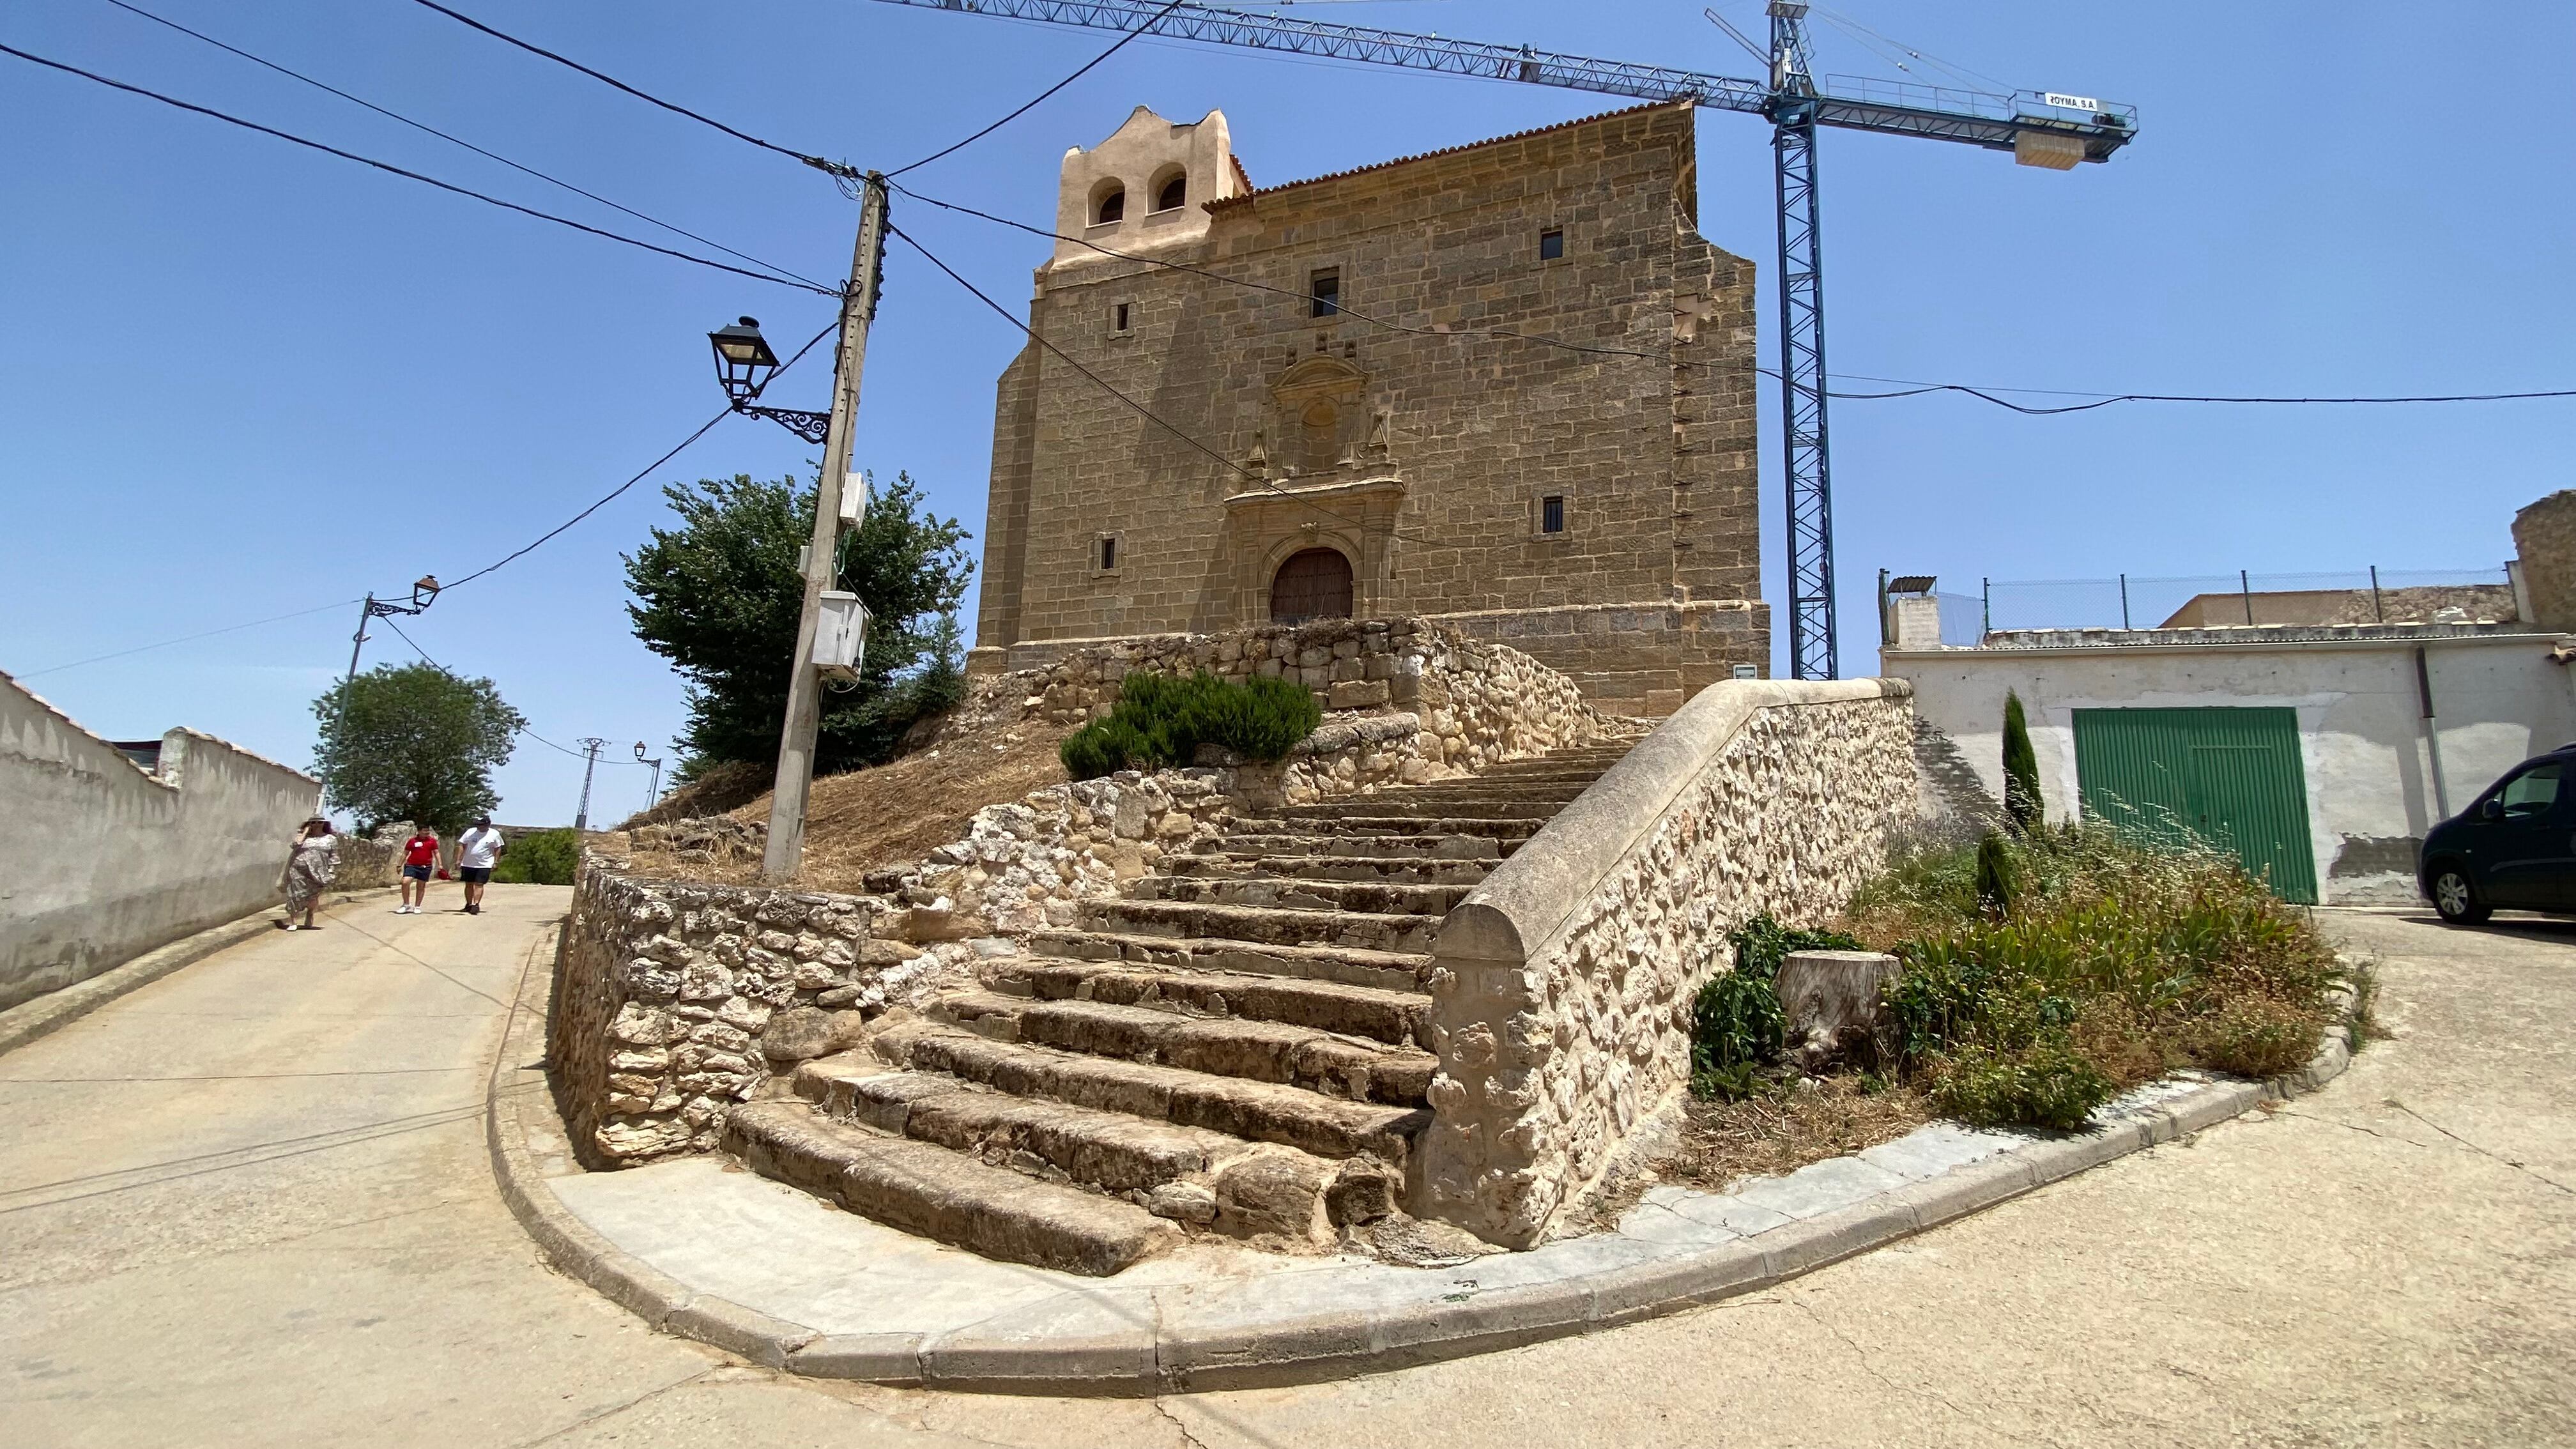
x,y
1551,245
1324,294
1118,318
1108,553
1551,513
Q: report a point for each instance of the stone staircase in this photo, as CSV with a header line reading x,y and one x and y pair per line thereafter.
x,y
1237,1045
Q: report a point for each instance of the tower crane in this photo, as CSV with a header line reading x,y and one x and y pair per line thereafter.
x,y
2039,128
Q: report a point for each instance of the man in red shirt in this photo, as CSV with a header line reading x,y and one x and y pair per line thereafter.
x,y
420,860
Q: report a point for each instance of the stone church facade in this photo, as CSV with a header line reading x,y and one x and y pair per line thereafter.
x,y
1360,431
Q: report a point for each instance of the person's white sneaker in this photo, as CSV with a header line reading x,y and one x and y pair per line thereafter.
x,y
293,927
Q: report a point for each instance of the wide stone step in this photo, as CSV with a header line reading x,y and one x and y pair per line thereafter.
x,y
1505,832
1385,970
1525,787
1255,1111
1329,1063
936,1193
1283,841
1268,925
1108,1150
1398,1018
1234,865
1213,1179
1302,894
1445,816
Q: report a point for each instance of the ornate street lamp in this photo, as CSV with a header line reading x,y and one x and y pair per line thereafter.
x,y
744,364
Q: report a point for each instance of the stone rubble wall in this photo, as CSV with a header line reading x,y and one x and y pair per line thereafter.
x,y
1485,701
1563,984
673,1001
676,1000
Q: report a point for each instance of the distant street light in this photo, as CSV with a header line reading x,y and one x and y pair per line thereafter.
x,y
655,798
744,364
424,592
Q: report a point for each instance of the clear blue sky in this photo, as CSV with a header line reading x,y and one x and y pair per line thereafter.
x,y
246,379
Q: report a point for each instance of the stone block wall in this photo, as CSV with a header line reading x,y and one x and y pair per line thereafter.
x,y
1563,984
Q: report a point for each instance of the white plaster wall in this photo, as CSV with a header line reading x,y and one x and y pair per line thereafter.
x,y
101,861
2362,744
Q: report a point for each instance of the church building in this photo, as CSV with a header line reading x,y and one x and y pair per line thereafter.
x,y
1506,386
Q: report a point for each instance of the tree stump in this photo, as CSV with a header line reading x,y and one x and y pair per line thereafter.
x,y
1831,999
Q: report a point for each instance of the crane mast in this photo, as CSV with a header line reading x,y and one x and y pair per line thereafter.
x,y
2040,128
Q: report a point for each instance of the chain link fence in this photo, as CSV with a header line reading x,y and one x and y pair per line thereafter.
x,y
2142,601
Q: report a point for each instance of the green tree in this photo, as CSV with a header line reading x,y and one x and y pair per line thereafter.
x,y
718,596
413,742
2022,805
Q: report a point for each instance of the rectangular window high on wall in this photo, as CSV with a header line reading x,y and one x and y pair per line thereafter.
x,y
1551,245
1324,294
1108,554
1118,318
1551,513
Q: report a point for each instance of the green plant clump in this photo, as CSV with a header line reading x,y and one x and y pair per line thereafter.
x,y
1737,1020
540,857
1160,720
2118,960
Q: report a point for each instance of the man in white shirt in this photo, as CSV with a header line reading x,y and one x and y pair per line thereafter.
x,y
477,851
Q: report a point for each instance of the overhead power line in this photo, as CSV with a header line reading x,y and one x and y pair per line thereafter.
x,y
458,140
602,502
186,639
839,169
1106,386
408,175
640,475
1033,101
1346,311
2103,400
523,729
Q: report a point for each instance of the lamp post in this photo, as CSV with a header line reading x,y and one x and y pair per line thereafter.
x,y
654,797
744,364
424,592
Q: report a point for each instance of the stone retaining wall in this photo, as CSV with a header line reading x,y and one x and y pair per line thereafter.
x,y
1563,984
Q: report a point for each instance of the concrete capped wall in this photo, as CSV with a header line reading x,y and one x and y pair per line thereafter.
x,y
102,861
2498,697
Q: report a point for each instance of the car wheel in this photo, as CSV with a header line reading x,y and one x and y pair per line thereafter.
x,y
2456,899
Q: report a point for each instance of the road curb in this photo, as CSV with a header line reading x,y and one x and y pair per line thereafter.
x,y
1633,1281
54,1010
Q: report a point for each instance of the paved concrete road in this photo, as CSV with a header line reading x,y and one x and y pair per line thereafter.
x,y
242,1257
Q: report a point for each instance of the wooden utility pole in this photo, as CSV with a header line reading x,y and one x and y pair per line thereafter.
x,y
786,848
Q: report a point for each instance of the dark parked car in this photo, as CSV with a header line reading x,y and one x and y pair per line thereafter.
x,y
2514,848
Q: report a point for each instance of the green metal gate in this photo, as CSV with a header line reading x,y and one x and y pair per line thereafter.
x,y
2230,777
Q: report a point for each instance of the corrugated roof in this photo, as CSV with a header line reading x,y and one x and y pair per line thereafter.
x,y
1444,151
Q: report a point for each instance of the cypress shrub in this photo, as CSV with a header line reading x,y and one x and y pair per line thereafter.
x,y
2022,805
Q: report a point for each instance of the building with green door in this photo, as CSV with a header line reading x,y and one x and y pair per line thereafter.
x,y
2320,755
